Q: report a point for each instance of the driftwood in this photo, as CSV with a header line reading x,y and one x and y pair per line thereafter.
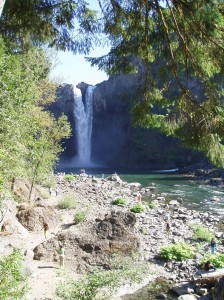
x,y
210,277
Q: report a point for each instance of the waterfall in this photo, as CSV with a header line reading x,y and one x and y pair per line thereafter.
x,y
83,115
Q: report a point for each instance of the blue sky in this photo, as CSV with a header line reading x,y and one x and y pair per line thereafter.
x,y
73,69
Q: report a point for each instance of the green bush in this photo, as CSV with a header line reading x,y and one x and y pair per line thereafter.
x,y
13,285
152,204
70,177
79,217
43,193
178,251
118,201
68,202
216,259
138,208
50,182
201,233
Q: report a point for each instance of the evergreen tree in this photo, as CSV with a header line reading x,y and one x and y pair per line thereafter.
x,y
178,44
180,47
65,25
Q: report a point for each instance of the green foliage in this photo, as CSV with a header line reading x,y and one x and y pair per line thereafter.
x,y
30,137
13,285
68,202
100,284
178,251
43,193
138,208
201,233
50,182
176,45
153,204
64,25
216,259
79,217
70,177
119,200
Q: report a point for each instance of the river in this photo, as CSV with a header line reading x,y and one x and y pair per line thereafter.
x,y
194,194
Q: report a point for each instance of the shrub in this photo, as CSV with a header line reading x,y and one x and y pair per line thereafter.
x,y
138,208
50,182
202,233
43,193
79,217
216,259
178,251
152,204
118,201
13,285
70,177
68,202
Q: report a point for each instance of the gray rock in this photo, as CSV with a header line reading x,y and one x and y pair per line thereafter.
x,y
161,296
174,203
201,291
183,289
187,297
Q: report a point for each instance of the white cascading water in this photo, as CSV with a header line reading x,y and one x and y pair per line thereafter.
x,y
83,115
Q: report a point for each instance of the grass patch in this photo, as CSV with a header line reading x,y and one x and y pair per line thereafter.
x,y
50,182
153,204
70,177
138,208
79,217
68,202
119,201
100,284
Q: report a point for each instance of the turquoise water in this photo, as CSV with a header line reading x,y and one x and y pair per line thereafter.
x,y
195,194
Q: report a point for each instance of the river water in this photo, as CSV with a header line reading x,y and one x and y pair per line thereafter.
x,y
194,194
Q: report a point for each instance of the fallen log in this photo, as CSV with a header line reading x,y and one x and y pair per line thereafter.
x,y
209,277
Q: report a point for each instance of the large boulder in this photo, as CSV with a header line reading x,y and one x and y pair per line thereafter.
x,y
21,189
32,217
94,243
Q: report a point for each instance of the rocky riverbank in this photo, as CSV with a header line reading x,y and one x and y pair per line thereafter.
x,y
106,229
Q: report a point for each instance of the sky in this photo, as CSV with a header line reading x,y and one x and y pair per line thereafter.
x,y
73,69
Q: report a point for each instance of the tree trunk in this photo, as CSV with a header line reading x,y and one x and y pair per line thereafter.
x,y
209,277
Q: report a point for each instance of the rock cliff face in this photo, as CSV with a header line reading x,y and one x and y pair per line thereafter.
x,y
115,142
